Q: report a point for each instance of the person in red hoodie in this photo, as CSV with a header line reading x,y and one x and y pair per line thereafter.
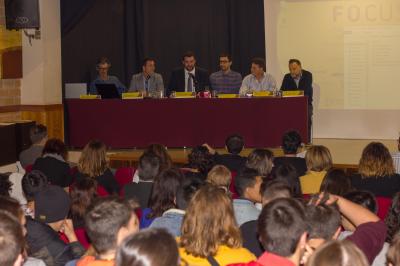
x,y
282,230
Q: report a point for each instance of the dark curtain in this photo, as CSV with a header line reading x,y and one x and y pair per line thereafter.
x,y
127,31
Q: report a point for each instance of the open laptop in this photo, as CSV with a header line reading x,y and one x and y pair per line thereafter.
x,y
75,90
108,91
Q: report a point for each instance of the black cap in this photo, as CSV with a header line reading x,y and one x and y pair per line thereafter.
x,y
51,204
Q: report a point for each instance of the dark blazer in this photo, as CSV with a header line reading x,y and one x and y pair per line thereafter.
x,y
177,80
140,191
231,161
305,84
384,186
58,172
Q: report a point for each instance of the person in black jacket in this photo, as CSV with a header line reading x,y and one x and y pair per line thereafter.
x,y
300,79
53,163
51,209
234,144
188,78
93,164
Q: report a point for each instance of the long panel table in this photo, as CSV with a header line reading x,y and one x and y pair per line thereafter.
x,y
184,122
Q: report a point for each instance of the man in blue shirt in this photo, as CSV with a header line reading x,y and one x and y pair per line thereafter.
x,y
225,80
102,67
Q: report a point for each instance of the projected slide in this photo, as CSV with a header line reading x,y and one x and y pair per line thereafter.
x,y
352,47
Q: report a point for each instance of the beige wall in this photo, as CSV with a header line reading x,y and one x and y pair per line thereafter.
x,y
41,82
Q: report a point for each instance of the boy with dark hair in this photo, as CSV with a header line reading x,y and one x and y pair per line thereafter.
x,y
32,183
108,221
52,205
234,145
247,185
291,142
149,167
11,240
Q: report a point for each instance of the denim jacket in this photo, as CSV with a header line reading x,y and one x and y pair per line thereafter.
x,y
245,211
170,220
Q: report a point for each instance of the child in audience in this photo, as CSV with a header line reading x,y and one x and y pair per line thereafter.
x,y
260,160
32,183
53,163
318,160
376,171
220,176
149,168
52,205
336,182
392,219
108,221
234,145
270,190
171,220
11,240
38,137
247,185
150,247
291,142
338,253
393,254
200,163
209,231
93,164
163,196
287,173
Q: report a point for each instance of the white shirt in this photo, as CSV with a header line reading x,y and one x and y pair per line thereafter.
x,y
193,72
251,83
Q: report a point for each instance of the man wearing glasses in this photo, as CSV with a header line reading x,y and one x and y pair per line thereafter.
x,y
102,67
225,80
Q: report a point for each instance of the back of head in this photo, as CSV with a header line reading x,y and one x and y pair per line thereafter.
x,y
336,182
260,160
201,159
338,253
363,198
245,179
150,247
103,219
291,142
287,173
93,160
32,183
318,158
163,196
55,146
323,221
281,225
162,153
220,176
52,204
209,222
188,187
82,194
11,239
5,185
37,133
376,161
12,206
274,189
149,166
393,254
234,144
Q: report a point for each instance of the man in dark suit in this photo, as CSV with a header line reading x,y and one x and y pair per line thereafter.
x,y
300,79
188,78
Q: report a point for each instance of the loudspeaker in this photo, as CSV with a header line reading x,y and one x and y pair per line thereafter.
x,y
22,14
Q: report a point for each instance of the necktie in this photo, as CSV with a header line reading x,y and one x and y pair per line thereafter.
x,y
190,83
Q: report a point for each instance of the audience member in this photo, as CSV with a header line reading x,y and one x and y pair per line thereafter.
x,y
220,176
93,164
393,254
32,183
319,161
376,171
247,185
108,222
11,240
200,163
149,165
291,142
336,182
163,196
5,185
150,247
392,219
260,160
287,173
234,145
38,137
53,163
209,231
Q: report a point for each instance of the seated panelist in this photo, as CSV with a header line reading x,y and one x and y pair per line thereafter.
x,y
102,67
